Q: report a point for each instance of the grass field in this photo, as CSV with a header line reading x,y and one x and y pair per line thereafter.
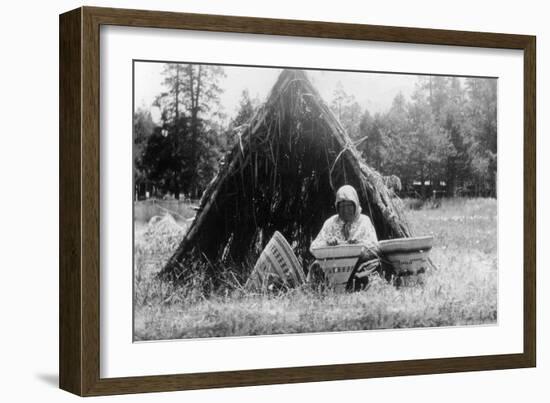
x,y
462,291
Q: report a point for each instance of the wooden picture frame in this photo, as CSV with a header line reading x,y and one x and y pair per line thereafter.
x,y
79,281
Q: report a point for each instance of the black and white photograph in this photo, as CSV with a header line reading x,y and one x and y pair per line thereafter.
x,y
273,200
258,202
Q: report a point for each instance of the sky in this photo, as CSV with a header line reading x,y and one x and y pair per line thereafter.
x,y
373,91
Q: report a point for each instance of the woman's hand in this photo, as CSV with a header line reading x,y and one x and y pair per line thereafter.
x,y
332,242
353,241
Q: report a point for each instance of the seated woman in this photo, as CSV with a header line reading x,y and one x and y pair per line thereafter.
x,y
349,226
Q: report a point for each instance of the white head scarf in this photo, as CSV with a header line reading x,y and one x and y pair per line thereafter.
x,y
348,193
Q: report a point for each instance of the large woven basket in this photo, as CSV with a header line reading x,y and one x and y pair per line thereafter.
x,y
276,266
337,263
408,255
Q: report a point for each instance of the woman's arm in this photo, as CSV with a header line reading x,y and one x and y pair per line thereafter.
x,y
325,237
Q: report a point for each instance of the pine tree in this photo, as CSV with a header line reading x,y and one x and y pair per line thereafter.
x,y
188,107
347,110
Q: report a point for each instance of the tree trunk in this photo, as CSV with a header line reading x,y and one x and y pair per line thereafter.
x,y
195,106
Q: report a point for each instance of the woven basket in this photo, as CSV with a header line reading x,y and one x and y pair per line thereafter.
x,y
337,263
408,255
277,265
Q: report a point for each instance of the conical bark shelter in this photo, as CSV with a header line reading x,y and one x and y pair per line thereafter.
x,y
282,175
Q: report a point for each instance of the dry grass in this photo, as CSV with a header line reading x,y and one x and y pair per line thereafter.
x,y
463,291
147,209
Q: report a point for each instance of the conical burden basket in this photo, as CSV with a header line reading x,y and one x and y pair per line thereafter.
x,y
277,266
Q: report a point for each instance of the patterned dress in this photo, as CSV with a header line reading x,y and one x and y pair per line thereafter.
x,y
361,231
